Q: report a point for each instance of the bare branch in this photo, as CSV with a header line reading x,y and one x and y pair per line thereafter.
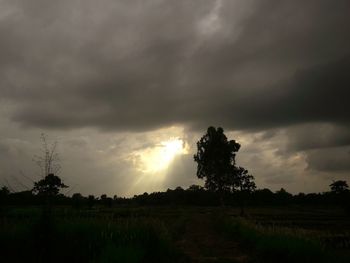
x,y
13,190
26,177
20,183
71,189
48,162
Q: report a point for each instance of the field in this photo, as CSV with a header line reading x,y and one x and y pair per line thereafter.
x,y
175,234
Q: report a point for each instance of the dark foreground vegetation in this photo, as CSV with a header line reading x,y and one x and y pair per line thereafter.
x,y
85,236
176,226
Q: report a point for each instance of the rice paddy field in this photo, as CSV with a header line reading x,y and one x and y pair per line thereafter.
x,y
175,234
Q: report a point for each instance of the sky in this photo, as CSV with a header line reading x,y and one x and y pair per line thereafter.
x,y
127,88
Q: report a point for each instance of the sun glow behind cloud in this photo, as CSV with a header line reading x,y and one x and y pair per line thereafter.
x,y
156,159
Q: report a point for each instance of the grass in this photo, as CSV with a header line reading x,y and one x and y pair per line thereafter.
x,y
278,244
86,240
155,234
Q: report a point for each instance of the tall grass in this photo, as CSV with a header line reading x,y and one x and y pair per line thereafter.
x,y
85,240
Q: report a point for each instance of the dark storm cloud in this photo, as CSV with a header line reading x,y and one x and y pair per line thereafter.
x,y
317,136
141,65
326,147
330,160
313,95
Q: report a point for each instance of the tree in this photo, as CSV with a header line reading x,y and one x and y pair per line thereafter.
x,y
49,165
245,181
4,192
245,184
195,188
49,186
91,201
77,200
283,196
216,159
216,163
339,186
105,200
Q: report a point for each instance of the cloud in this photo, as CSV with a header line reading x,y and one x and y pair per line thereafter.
x,y
110,77
330,160
182,172
140,66
317,136
325,146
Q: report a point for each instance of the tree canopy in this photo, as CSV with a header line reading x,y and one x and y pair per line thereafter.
x,y
339,186
216,163
49,186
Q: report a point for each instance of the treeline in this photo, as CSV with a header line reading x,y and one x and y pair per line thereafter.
x,y
196,195
193,196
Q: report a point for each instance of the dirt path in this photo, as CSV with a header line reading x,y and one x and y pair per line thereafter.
x,y
202,243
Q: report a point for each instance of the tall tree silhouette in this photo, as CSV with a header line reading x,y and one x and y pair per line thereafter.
x,y
216,163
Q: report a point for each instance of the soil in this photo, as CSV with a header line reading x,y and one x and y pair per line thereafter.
x,y
201,242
